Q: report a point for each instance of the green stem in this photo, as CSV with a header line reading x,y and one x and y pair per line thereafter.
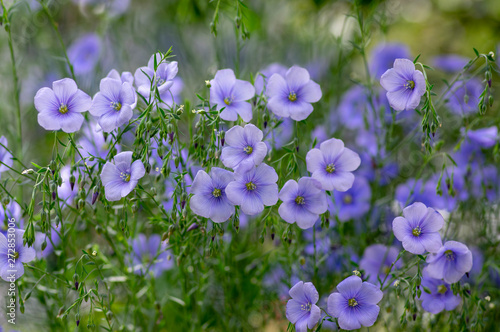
x,y
16,86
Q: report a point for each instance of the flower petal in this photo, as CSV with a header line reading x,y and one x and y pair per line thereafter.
x,y
350,286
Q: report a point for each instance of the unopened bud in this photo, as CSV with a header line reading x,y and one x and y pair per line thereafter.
x,y
193,227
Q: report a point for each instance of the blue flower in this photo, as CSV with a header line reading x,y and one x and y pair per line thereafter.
x,y
377,260
210,199
353,203
22,254
292,95
120,178
484,137
84,53
253,188
355,304
418,229
463,97
149,255
230,94
243,144
332,164
450,262
265,74
113,104
61,106
303,202
301,309
450,63
440,297
383,56
5,156
405,86
147,78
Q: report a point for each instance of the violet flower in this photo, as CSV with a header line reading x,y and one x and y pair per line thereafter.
x,y
353,203
210,199
120,178
383,56
125,76
484,137
163,78
405,85
292,95
332,164
113,104
463,97
450,263
230,94
5,156
265,74
440,297
303,202
61,106
377,260
243,144
418,229
253,188
355,304
148,255
11,264
301,309
84,53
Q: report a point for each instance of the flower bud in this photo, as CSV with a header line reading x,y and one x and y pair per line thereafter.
x,y
72,182
95,195
192,227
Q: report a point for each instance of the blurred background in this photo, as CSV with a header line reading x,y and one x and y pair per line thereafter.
x,y
245,285
122,34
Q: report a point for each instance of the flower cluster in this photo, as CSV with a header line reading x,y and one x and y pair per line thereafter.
x,y
354,304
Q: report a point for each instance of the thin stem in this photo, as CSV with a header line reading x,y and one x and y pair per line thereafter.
x,y
16,86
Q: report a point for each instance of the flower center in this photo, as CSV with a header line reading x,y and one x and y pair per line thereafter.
x,y
227,101
442,289
330,168
387,269
450,255
63,109
160,82
16,255
248,149
125,176
217,192
416,231
116,106
306,307
251,186
352,302
300,200
292,96
410,85
347,199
